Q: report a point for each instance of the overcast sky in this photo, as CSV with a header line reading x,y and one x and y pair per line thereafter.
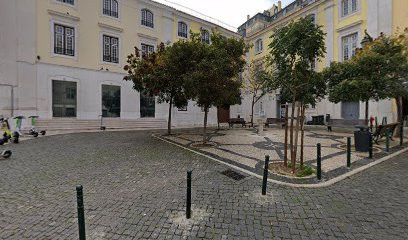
x,y
232,12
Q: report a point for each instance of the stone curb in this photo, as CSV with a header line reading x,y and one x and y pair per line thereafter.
x,y
317,185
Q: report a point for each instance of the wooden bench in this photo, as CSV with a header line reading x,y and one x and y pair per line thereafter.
x,y
381,131
344,123
234,121
278,121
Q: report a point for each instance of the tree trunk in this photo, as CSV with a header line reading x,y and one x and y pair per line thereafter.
x,y
252,111
291,133
366,112
296,139
285,160
218,117
205,125
169,119
302,136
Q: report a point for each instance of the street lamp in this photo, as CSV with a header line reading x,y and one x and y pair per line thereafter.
x,y
367,39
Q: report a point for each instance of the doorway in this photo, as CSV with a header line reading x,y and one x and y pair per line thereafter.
x,y
223,114
64,98
110,101
147,106
350,110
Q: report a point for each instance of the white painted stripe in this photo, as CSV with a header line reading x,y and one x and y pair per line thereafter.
x,y
317,185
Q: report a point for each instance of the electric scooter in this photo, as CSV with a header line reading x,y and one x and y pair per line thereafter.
x,y
33,131
5,154
8,135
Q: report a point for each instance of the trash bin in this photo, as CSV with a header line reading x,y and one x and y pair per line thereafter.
x,y
361,139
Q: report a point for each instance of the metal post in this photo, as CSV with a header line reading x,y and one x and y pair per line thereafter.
x,y
402,133
348,152
265,175
319,162
370,146
387,140
81,214
188,207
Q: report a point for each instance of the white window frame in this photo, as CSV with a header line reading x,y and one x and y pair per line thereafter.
x,y
109,16
258,45
350,10
209,35
147,45
111,33
55,21
187,30
141,18
67,4
110,36
349,45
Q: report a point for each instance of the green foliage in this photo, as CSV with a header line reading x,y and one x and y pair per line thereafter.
x,y
376,72
292,50
214,79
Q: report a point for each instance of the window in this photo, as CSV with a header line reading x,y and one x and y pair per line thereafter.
x,y
64,40
205,36
147,18
182,30
71,2
110,8
147,49
312,18
258,46
182,109
349,46
64,98
110,49
348,7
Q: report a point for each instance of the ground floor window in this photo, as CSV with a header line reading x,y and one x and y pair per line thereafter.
x,y
110,101
147,106
64,98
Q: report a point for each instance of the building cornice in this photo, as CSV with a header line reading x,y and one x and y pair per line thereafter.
x,y
63,15
147,37
113,28
350,26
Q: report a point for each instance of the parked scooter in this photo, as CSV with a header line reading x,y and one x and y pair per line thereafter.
x,y
33,130
8,135
5,154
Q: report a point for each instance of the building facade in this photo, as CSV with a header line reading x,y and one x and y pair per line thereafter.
x,y
65,58
344,22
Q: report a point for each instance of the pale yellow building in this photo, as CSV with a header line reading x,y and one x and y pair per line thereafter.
x,y
344,22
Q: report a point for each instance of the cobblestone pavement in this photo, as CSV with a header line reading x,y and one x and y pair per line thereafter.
x,y
134,187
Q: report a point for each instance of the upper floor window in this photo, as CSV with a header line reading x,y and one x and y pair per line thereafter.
x,y
205,36
71,2
111,8
64,40
182,29
258,46
349,46
147,18
348,7
312,18
110,49
147,49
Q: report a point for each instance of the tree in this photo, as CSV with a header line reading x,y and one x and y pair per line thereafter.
x,y
292,50
161,74
256,85
213,79
376,72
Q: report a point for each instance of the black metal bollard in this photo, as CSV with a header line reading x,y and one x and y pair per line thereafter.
x,y
319,161
402,133
348,152
387,140
370,146
265,175
188,206
81,214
